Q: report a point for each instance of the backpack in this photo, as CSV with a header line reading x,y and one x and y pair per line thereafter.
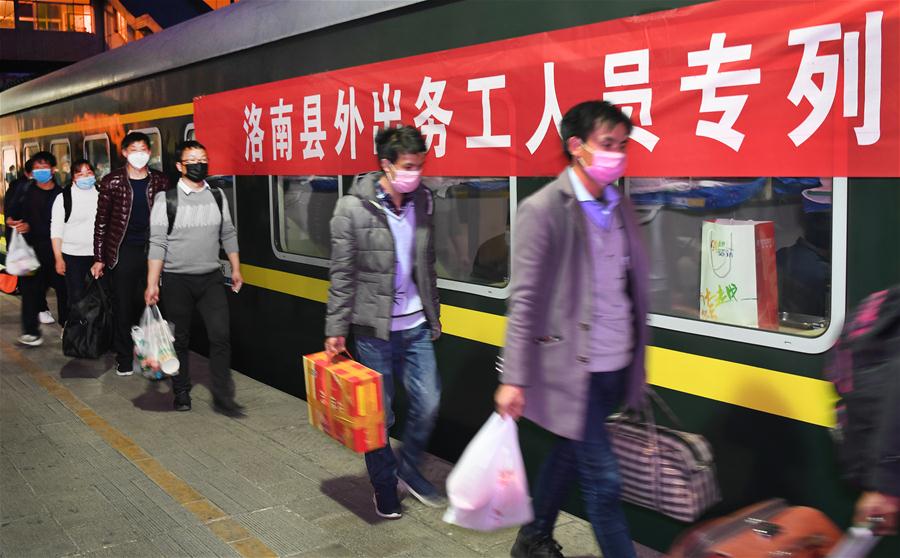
x,y
864,364
172,206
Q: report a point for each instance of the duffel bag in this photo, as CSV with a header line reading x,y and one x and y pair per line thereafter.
x,y
88,331
666,470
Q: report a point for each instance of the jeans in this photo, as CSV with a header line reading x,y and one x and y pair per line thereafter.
x,y
180,294
34,290
593,461
77,269
128,279
408,356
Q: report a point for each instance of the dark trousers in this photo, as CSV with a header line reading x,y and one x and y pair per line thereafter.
x,y
129,279
180,294
77,270
594,463
34,290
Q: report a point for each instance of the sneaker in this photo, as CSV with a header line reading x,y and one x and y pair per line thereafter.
x,y
388,505
535,546
30,340
124,370
183,401
231,408
46,317
430,498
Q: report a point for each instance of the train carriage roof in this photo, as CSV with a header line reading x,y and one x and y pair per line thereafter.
x,y
237,27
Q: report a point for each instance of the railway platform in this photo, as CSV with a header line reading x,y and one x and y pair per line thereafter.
x,y
94,464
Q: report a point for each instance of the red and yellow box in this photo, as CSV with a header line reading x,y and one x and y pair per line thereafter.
x,y
345,401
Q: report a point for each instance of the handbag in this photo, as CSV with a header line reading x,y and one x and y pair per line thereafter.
x,y
666,470
88,331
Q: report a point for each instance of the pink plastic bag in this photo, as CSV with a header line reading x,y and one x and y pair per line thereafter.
x,y
487,488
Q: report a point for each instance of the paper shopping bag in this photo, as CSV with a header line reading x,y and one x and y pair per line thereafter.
x,y
738,278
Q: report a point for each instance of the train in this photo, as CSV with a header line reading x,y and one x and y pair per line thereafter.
x,y
759,395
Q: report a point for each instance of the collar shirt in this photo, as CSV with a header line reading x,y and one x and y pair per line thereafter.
x,y
388,202
599,212
188,190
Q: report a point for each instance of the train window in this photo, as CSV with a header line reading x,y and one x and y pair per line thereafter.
x,y
189,133
10,169
303,206
714,242
96,150
62,151
472,219
155,147
29,149
226,183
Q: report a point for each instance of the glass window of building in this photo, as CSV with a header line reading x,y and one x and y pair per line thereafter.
x,y
753,252
7,14
303,209
60,150
96,150
472,229
58,15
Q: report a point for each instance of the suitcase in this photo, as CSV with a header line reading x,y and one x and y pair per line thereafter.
x,y
765,530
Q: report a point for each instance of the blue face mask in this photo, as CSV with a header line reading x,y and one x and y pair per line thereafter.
x,y
86,182
42,175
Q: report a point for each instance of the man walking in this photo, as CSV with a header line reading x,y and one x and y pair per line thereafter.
x,y
576,327
384,291
187,226
121,230
29,211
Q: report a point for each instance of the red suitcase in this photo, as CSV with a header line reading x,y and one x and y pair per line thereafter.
x,y
764,530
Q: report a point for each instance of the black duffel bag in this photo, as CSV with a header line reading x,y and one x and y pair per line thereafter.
x,y
88,331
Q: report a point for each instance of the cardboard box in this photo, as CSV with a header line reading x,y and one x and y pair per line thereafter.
x,y
345,401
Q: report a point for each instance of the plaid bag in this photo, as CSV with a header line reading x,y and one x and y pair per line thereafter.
x,y
666,470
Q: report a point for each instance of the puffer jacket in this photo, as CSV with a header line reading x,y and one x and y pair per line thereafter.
x,y
361,294
114,212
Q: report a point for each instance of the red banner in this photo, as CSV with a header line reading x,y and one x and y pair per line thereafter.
x,y
728,88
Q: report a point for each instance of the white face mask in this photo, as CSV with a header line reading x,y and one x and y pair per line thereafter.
x,y
138,159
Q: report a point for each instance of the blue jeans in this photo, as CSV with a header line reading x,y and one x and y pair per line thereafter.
x,y
592,459
408,357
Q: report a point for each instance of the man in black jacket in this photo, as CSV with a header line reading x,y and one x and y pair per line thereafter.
x,y
28,212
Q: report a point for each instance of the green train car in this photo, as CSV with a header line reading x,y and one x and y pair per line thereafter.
x,y
757,394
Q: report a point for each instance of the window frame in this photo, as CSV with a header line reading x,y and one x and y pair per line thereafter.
x,y
25,146
777,339
189,127
233,201
274,183
60,141
95,137
15,156
162,153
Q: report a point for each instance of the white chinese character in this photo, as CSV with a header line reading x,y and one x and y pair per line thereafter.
x,y
348,121
551,110
730,106
282,140
430,95
642,96
387,115
487,139
312,135
822,98
253,149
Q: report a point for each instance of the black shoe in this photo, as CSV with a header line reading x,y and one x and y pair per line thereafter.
x,y
535,546
387,505
182,401
231,408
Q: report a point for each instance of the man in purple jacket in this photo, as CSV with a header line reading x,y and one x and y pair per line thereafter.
x,y
576,326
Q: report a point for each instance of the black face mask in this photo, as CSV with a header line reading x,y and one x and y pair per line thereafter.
x,y
197,171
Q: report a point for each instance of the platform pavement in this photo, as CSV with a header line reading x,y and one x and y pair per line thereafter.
x,y
154,482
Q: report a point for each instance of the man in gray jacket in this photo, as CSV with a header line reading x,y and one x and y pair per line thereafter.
x,y
576,327
384,291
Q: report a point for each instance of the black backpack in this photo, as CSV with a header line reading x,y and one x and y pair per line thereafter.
x,y
172,206
865,371
67,200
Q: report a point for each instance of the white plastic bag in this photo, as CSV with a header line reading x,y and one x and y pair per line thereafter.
x,y
153,344
487,488
20,257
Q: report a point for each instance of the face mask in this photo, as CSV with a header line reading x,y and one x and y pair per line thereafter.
x,y
606,166
196,171
405,181
86,182
42,175
138,159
